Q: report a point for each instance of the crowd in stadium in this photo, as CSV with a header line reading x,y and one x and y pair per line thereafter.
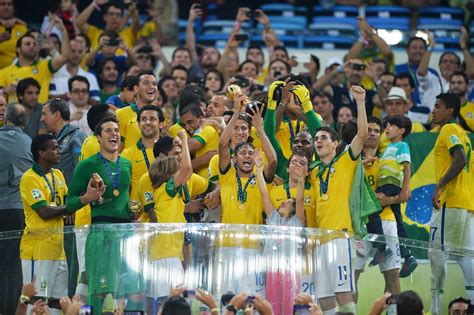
x,y
100,128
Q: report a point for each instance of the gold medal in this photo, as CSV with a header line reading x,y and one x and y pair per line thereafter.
x,y
53,204
324,197
241,206
116,192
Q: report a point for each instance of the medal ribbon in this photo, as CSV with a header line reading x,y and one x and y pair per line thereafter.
x,y
324,185
242,194
142,147
292,132
286,185
134,108
52,187
114,179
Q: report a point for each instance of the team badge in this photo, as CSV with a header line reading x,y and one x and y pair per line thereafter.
x,y
35,71
148,196
36,193
103,281
43,285
454,139
469,115
253,181
307,200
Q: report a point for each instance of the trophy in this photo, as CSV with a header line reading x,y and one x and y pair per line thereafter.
x,y
136,209
97,182
232,90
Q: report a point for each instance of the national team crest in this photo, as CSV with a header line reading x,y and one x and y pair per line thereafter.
x,y
103,281
454,139
43,285
307,200
35,71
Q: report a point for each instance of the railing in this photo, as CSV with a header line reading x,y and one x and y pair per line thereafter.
x,y
140,262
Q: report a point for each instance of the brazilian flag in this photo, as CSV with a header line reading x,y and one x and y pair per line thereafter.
x,y
417,214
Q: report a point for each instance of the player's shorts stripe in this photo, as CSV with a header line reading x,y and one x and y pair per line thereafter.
x,y
32,269
350,263
443,212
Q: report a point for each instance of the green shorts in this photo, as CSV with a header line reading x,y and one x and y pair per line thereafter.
x,y
108,263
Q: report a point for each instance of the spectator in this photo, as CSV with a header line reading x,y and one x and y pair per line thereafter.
x,y
127,93
343,116
11,29
78,106
408,303
458,84
180,76
417,112
27,65
322,104
277,68
15,154
108,79
416,48
114,18
248,69
59,86
213,82
458,306
56,117
28,92
170,89
210,58
354,71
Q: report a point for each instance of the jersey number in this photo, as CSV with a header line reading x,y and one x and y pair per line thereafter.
x,y
468,156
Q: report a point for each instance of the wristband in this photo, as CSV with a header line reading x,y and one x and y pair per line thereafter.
x,y
231,308
97,7
24,299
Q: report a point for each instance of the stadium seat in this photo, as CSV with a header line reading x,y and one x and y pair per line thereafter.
x,y
293,41
328,42
296,20
399,23
443,13
332,29
336,11
387,11
335,20
434,23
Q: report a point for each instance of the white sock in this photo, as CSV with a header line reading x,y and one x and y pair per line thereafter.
x,y
330,312
436,298
467,266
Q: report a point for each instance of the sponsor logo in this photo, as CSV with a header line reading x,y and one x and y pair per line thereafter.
x,y
148,196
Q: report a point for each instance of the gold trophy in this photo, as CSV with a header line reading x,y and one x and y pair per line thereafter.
x,y
231,91
97,182
136,209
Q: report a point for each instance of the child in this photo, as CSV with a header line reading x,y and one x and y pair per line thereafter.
x,y
282,283
168,177
394,181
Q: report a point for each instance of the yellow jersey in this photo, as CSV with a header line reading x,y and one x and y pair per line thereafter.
x,y
8,47
334,213
383,144
169,208
209,138
126,34
286,133
467,114
137,157
457,193
42,71
35,193
128,126
90,146
372,175
280,193
195,186
174,129
148,29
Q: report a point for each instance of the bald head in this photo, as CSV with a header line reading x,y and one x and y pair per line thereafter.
x,y
16,115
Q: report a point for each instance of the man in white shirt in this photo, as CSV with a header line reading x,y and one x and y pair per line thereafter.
x,y
59,87
78,105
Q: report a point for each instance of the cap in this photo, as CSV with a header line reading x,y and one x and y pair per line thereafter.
x,y
396,93
333,60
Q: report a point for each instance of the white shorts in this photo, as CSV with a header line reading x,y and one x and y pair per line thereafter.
x,y
163,275
81,238
452,229
334,268
365,250
237,270
51,276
